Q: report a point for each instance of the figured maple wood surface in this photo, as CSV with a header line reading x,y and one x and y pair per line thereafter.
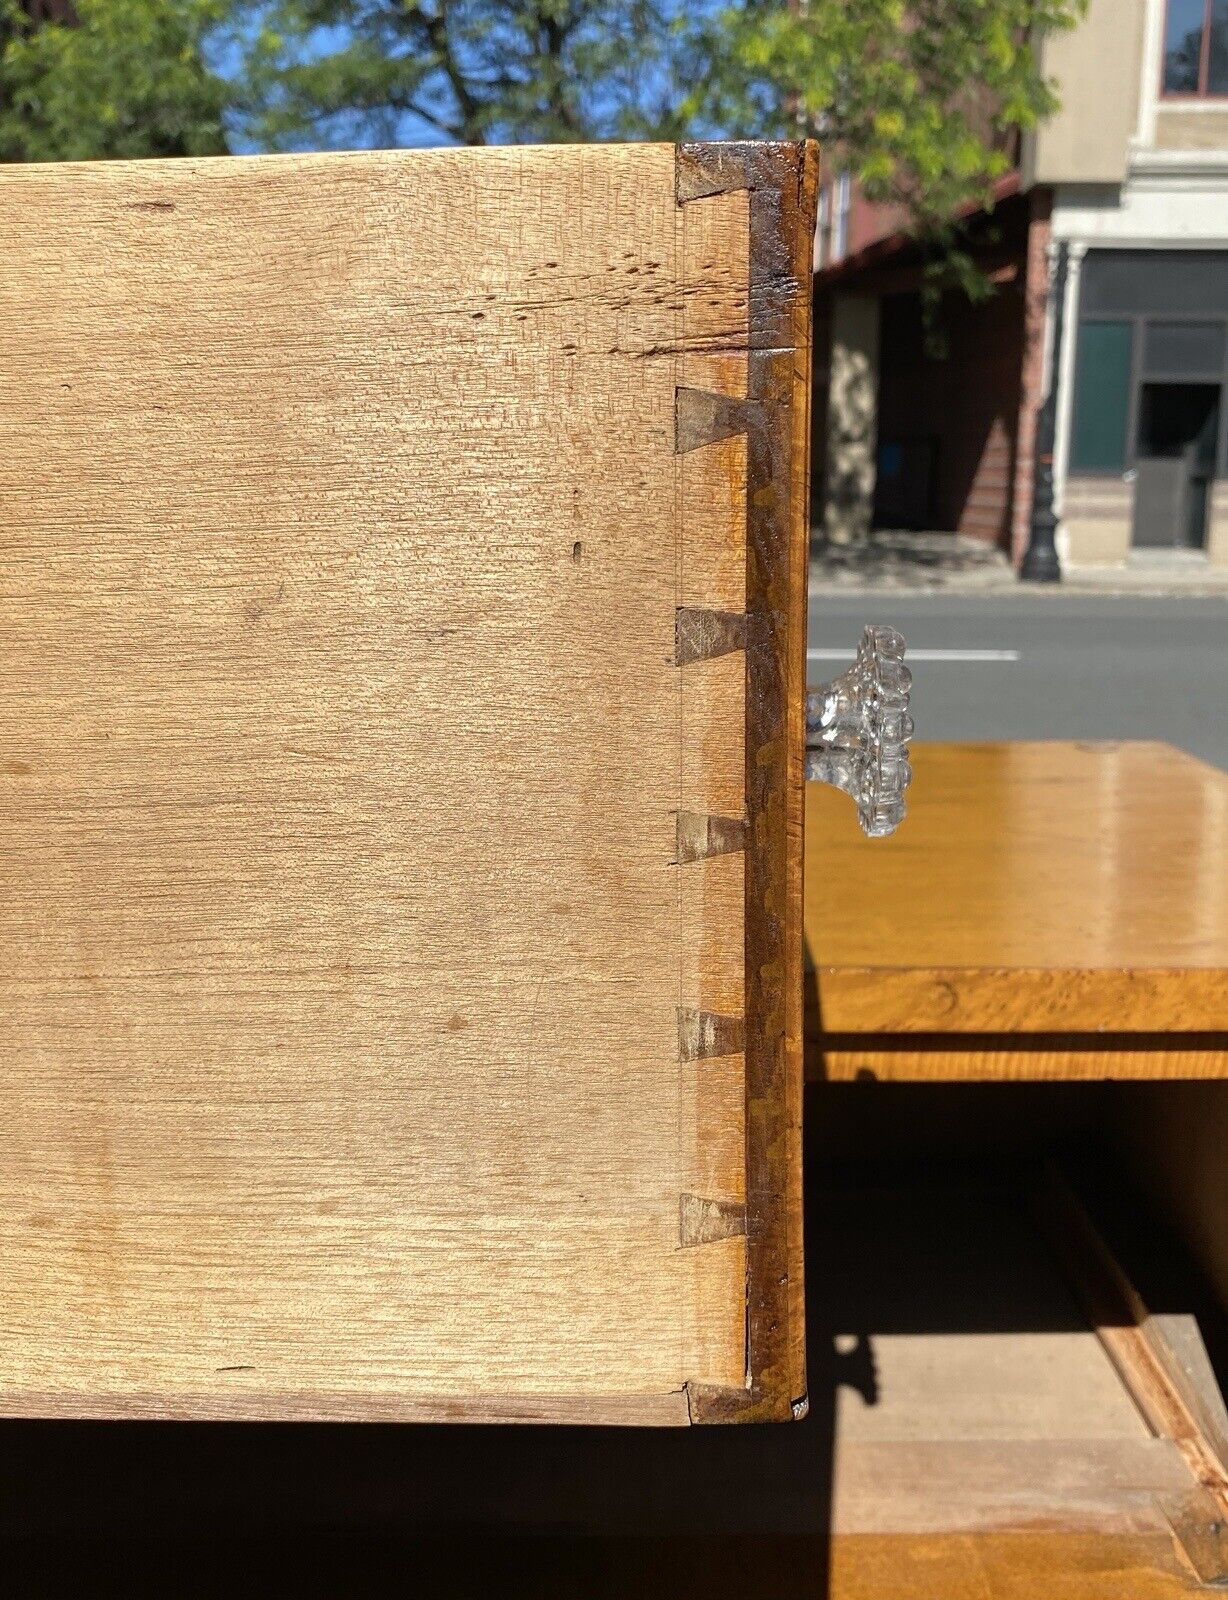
x,y
342,746
1046,910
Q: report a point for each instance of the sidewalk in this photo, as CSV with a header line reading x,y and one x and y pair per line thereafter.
x,y
951,563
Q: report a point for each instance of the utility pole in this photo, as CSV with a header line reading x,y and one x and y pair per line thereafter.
x,y
1040,562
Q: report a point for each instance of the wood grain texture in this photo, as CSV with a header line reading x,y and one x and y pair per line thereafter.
x,y
1016,1058
1169,1396
1010,1565
997,1452
1048,911
775,418
343,743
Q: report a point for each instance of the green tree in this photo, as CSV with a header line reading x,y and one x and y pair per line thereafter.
x,y
81,79
912,95
464,71
921,100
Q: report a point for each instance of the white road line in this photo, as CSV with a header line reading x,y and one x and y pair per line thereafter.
x,y
923,655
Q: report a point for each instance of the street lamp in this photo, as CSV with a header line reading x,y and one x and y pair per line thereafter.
x,y
1040,562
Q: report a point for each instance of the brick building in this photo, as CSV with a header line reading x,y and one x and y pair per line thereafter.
x,y
1130,181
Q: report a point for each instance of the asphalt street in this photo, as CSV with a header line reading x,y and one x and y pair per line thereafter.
x,y
1039,665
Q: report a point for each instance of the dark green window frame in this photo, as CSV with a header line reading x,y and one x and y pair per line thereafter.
x,y
1103,388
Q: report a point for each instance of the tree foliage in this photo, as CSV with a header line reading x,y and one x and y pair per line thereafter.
x,y
95,78
464,71
920,99
913,95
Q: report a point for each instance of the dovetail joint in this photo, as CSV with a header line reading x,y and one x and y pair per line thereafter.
x,y
701,635
704,1221
703,1035
700,835
701,416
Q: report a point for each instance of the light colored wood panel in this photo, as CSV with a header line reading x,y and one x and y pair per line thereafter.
x,y
714,339
714,527
978,1485
1128,843
1010,1565
341,753
713,711
719,372
218,1403
714,268
717,1158
718,1275
712,973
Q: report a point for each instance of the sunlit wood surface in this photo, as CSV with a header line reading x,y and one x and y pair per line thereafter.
x,y
348,953
1046,910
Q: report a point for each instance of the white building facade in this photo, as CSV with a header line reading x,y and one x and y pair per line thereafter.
x,y
1137,164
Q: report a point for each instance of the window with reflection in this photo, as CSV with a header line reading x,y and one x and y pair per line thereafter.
x,y
1196,48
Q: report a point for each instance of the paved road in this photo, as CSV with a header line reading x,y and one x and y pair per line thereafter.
x,y
1060,666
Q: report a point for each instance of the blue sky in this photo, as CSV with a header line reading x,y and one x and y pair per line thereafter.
x,y
404,130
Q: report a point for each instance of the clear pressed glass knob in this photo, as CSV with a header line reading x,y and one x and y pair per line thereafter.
x,y
858,728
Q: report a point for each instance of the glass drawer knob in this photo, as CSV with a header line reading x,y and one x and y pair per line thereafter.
x,y
858,728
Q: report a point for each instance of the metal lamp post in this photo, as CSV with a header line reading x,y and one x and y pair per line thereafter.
x,y
1040,562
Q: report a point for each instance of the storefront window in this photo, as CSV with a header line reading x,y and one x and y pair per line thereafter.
x,y
1101,397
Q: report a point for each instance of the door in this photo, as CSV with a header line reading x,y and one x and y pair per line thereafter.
x,y
1177,429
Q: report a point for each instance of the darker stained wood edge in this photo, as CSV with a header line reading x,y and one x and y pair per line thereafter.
x,y
1021,1044
782,180
668,1408
961,1003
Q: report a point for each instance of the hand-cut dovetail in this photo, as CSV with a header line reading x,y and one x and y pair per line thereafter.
x,y
703,169
780,181
701,835
702,1221
699,635
701,416
714,1402
704,1034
